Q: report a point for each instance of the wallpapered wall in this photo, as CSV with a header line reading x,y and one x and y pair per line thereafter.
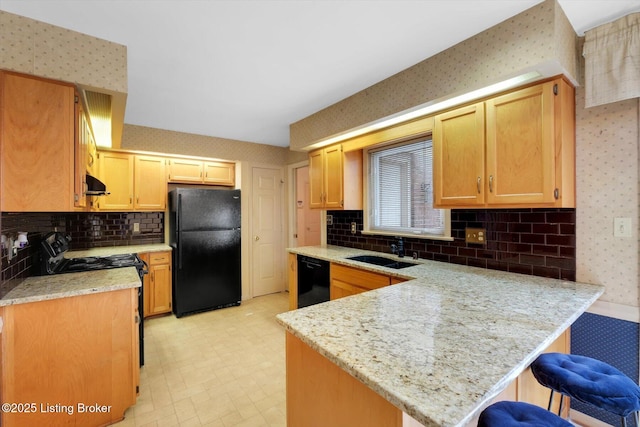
x,y
34,47
540,37
159,140
608,186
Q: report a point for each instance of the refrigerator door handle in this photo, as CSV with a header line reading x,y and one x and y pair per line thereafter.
x,y
178,231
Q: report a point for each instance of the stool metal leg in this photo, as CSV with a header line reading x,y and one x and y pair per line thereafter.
x,y
551,401
560,406
624,421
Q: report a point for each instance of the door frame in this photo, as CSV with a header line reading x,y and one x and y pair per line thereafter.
x,y
292,210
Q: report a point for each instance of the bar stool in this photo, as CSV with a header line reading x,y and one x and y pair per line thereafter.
x,y
590,381
507,414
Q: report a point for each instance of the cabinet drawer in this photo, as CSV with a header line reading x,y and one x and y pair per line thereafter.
x,y
360,278
159,258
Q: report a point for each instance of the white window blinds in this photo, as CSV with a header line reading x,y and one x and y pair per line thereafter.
x,y
401,191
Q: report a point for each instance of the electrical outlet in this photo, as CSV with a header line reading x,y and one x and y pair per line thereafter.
x,y
329,219
136,227
475,235
353,228
622,227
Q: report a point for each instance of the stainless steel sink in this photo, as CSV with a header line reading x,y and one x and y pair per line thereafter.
x,y
382,261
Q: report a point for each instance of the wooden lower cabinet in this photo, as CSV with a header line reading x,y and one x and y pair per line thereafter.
x,y
292,270
157,284
70,361
320,394
347,281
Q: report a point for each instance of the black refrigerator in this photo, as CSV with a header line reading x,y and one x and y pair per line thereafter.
x,y
204,229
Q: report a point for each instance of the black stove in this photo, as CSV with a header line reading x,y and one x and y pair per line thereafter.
x,y
52,251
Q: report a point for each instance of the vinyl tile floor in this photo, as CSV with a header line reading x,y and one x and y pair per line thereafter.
x,y
220,368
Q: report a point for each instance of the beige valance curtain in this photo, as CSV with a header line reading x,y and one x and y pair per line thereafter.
x,y
612,61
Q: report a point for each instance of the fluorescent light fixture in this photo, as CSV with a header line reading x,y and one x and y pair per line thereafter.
x,y
431,107
102,131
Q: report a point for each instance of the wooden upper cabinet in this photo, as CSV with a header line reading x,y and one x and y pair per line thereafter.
x,y
184,171
335,178
134,182
316,182
150,183
458,157
116,172
520,147
191,171
37,130
219,173
514,150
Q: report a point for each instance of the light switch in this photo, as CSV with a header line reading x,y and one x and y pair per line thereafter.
x,y
622,227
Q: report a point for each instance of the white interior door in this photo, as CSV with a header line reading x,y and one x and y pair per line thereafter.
x,y
307,220
267,236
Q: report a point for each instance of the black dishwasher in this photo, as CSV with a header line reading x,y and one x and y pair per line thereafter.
x,y
313,281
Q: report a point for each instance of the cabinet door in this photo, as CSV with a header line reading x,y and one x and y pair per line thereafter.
x,y
157,292
520,147
333,176
160,289
458,157
185,170
316,183
150,183
37,139
116,172
219,173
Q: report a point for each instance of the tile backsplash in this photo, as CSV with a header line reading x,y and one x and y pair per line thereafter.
x,y
538,242
87,230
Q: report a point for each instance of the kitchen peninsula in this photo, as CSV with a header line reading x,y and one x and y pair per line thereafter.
x,y
437,348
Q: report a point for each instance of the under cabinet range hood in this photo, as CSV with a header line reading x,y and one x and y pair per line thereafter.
x,y
95,187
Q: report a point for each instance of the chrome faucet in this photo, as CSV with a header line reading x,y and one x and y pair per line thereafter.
x,y
398,248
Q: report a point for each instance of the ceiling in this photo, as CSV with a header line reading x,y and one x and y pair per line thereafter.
x,y
246,69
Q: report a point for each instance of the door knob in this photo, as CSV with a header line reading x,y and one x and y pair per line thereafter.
x,y
256,238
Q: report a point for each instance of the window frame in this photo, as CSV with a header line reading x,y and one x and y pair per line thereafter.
x,y
367,200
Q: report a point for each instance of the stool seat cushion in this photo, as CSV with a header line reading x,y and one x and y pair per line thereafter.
x,y
588,380
506,414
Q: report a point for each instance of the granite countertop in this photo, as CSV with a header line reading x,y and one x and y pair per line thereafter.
x,y
439,347
41,288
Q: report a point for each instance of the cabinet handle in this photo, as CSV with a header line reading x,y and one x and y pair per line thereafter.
x,y
556,194
130,199
153,276
478,183
491,183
